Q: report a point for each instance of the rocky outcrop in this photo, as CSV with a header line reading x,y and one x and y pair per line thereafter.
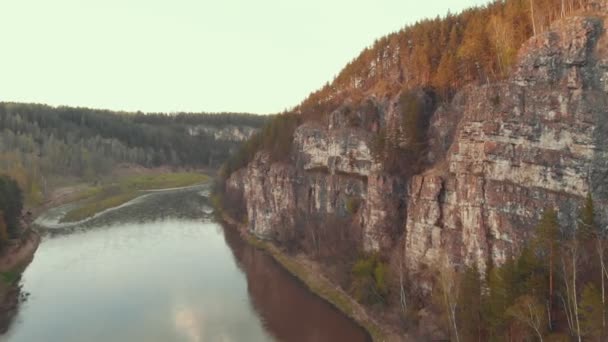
x,y
498,155
537,140
224,133
333,173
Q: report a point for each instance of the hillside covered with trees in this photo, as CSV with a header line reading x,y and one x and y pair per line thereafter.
x,y
39,143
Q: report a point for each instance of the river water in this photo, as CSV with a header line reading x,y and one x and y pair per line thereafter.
x,y
160,269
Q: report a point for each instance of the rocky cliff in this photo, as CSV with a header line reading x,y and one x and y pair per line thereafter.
x,y
232,133
498,154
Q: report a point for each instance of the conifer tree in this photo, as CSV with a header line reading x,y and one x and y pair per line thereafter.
x,y
547,246
469,302
591,313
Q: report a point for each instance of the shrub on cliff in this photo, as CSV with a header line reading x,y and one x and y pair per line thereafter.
x,y
370,280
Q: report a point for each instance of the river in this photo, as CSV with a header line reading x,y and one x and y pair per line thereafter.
x,y
161,269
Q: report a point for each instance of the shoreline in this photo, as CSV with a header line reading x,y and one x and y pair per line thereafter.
x,y
91,201
306,271
13,262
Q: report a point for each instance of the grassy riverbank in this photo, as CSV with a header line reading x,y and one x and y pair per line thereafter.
x,y
100,198
307,271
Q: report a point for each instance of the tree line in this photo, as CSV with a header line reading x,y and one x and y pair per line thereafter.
x,y
477,45
38,142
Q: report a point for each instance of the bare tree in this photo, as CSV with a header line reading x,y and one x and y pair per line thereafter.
x,y
600,244
529,311
500,34
532,16
570,260
402,295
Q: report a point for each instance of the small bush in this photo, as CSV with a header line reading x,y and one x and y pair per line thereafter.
x,y
370,284
352,205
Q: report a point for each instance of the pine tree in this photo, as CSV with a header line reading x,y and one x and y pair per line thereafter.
x,y
501,285
586,227
591,313
469,302
546,240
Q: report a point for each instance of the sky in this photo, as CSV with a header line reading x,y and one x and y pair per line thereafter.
x,y
258,56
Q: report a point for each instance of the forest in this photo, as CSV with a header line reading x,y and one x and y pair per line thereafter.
x,y
39,143
445,53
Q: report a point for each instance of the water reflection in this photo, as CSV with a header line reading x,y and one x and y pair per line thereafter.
x,y
162,270
289,311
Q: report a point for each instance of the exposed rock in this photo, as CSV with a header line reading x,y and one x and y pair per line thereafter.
x,y
537,140
499,155
224,133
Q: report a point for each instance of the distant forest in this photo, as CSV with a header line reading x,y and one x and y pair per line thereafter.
x,y
39,142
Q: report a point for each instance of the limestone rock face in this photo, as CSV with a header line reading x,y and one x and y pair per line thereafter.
x,y
498,155
331,166
537,140
224,133
343,151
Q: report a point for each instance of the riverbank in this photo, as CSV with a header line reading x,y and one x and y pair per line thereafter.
x,y
13,261
100,198
309,273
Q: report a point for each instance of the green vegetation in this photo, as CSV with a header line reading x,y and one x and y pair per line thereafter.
x,y
39,143
9,277
370,280
113,195
352,205
11,205
554,290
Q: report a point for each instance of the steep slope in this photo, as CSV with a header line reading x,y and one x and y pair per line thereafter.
x,y
532,141
535,141
495,156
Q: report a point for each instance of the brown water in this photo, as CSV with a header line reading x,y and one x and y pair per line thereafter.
x,y
160,269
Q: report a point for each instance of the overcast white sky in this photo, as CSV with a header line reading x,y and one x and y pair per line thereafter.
x,y
258,56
